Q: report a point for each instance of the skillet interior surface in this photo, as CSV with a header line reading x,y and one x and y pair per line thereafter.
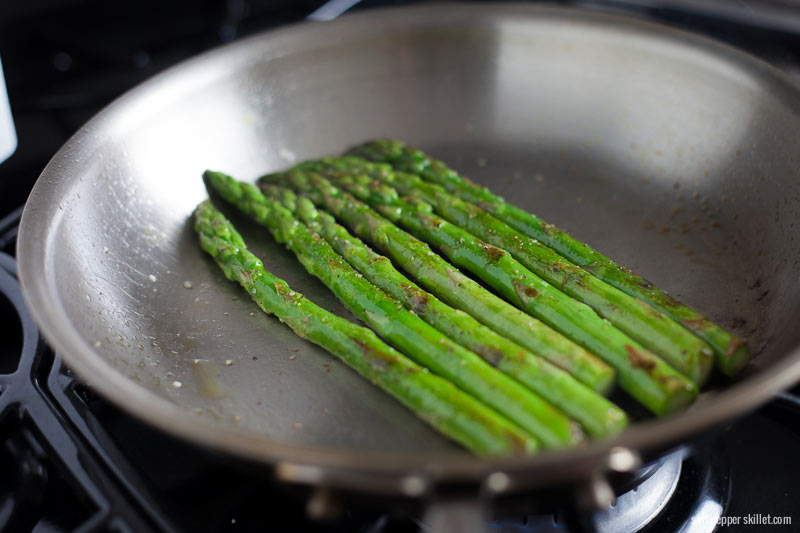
x,y
670,153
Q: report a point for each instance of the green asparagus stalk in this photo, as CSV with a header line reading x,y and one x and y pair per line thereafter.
x,y
446,282
731,353
454,413
398,325
642,374
598,416
653,329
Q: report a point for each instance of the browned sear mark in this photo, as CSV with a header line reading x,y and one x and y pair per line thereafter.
x,y
487,206
697,323
653,312
640,360
525,292
493,356
430,221
417,299
362,346
494,252
734,345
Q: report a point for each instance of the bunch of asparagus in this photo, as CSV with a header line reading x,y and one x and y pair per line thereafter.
x,y
731,353
512,370
439,402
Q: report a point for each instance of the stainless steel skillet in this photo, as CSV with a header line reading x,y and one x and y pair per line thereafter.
x,y
671,153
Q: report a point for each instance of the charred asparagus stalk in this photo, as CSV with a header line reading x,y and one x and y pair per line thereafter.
x,y
398,325
446,282
646,377
731,353
454,413
598,416
653,329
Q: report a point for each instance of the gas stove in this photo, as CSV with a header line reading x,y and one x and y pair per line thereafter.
x,y
70,461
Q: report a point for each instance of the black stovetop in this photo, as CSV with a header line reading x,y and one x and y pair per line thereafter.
x,y
69,461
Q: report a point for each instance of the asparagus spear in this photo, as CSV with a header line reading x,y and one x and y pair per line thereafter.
x,y
653,329
398,325
598,416
454,413
641,373
458,290
731,353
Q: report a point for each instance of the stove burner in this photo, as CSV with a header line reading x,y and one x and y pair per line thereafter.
x,y
642,504
685,491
